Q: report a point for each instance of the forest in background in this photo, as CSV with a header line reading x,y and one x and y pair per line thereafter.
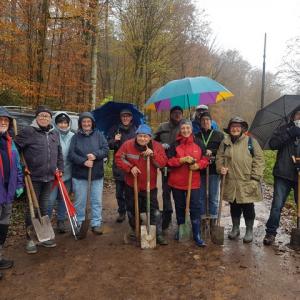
x,y
74,54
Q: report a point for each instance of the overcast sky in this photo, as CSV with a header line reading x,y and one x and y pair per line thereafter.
x,y
241,24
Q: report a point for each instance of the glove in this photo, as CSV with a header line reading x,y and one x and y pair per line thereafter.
x,y
194,167
166,146
187,160
19,192
294,131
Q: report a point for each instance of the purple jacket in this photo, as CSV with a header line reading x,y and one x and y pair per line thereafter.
x,y
15,174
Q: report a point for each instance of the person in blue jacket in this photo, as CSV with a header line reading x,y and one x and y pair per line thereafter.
x,y
200,109
62,123
87,150
11,180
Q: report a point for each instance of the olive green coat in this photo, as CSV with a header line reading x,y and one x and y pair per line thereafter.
x,y
245,172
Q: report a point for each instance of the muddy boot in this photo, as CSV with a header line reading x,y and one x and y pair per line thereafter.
x,y
249,231
97,230
235,231
61,228
121,218
159,236
269,239
196,233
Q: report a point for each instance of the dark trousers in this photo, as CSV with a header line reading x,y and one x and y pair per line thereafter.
x,y
120,195
236,210
42,191
166,193
180,204
129,196
282,188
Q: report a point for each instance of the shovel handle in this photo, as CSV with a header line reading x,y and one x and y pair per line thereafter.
x,y
31,209
136,209
207,191
188,196
148,194
221,199
88,195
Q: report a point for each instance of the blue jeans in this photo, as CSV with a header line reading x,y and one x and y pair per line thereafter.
x,y
56,198
282,188
80,190
214,190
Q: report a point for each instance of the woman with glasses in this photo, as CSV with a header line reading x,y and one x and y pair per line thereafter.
x,y
42,151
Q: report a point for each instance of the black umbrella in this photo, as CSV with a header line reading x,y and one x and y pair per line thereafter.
x,y
274,115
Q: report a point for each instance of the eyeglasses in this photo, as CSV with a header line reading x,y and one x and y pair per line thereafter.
x,y
45,117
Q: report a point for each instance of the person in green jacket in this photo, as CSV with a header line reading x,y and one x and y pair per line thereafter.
x,y
241,159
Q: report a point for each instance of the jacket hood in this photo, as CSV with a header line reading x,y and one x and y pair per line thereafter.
x,y
57,114
35,125
5,113
86,115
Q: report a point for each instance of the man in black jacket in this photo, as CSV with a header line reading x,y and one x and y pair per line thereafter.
x,y
40,145
286,139
117,135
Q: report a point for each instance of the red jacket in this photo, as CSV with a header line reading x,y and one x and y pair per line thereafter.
x,y
178,177
129,155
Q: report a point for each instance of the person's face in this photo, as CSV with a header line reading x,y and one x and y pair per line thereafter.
x,y
235,129
143,139
206,123
186,130
43,119
176,116
297,116
63,125
86,124
126,119
4,124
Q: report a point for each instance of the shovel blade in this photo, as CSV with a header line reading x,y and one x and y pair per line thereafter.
x,y
295,238
184,232
43,229
217,235
84,229
148,240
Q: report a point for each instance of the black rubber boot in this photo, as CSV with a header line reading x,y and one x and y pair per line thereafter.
x,y
61,227
269,239
3,233
235,231
121,218
196,233
249,231
6,263
159,236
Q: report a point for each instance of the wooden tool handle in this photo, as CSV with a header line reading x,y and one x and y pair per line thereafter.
x,y
221,199
188,196
136,209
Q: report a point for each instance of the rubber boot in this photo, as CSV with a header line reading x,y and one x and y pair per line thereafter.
x,y
249,231
159,235
235,231
61,228
196,233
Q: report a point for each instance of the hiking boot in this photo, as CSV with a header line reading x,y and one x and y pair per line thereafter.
x,y
48,244
196,233
235,231
121,218
97,230
269,239
6,264
61,228
161,240
249,231
30,247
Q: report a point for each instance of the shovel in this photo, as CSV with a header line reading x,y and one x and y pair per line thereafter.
x,y
148,232
207,217
42,225
136,211
185,229
86,223
217,234
295,234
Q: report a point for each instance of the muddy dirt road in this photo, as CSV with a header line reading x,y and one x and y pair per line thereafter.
x,y
102,267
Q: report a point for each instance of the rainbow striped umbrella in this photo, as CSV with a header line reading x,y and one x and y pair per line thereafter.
x,y
188,92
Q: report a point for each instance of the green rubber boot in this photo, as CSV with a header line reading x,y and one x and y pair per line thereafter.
x,y
235,231
249,231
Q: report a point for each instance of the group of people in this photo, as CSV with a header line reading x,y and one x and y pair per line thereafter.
x,y
177,148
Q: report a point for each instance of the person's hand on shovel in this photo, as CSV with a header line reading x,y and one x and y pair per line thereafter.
x,y
187,160
147,152
194,167
91,156
89,163
135,171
